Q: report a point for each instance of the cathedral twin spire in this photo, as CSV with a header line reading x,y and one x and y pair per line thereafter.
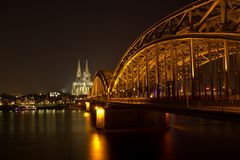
x,y
86,67
83,82
79,76
79,73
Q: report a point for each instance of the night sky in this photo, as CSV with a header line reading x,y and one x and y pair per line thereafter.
x,y
41,40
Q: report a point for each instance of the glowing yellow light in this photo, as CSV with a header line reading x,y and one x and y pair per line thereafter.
x,y
86,114
98,147
100,118
97,143
87,106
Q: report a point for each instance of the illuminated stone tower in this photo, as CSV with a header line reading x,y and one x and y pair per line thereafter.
x,y
83,83
78,73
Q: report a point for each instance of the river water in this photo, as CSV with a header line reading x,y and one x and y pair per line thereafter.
x,y
70,135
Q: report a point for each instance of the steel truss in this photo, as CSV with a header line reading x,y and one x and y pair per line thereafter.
x,y
192,53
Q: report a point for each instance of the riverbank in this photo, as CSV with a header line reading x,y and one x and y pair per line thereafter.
x,y
42,107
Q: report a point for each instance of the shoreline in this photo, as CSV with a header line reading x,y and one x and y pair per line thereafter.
x,y
56,107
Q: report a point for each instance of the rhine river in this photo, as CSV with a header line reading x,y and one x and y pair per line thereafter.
x,y
70,135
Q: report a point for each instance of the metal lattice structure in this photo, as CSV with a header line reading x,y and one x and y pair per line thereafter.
x,y
194,52
101,84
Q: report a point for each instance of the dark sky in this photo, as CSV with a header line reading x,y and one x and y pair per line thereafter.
x,y
41,40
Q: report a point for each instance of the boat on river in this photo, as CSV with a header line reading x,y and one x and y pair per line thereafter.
x,y
25,107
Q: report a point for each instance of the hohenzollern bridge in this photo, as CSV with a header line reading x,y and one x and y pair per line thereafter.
x,y
193,53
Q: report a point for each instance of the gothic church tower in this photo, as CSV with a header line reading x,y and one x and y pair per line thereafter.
x,y
83,83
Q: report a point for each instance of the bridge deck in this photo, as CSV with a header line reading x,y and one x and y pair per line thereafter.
x,y
214,109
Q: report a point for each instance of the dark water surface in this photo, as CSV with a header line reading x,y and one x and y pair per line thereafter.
x,y
66,135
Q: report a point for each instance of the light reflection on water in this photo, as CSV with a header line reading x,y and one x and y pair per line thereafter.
x,y
168,146
98,147
63,134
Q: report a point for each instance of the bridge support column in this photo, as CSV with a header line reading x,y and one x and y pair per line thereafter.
x,y
172,65
127,79
238,69
198,83
132,81
177,84
226,68
223,15
219,74
122,88
183,83
193,63
165,76
190,20
117,90
157,73
211,71
147,75
138,79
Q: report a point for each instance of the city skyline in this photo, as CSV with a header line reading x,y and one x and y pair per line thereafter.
x,y
41,40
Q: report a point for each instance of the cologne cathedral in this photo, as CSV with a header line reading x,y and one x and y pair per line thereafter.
x,y
82,84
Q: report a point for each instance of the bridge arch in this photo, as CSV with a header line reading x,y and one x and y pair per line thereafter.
x,y
193,52
101,84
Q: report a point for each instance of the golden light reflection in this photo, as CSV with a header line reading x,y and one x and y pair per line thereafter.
x,y
87,106
87,118
98,147
168,146
86,114
100,118
97,143
167,118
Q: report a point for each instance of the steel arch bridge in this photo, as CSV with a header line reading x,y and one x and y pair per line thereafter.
x,y
101,83
192,53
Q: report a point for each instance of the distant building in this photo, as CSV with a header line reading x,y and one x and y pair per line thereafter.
x,y
82,84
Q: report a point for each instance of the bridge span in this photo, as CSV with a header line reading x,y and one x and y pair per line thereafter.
x,y
191,56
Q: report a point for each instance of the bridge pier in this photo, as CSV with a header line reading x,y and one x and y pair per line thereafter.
x,y
123,117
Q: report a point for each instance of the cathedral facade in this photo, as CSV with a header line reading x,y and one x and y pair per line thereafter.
x,y
82,84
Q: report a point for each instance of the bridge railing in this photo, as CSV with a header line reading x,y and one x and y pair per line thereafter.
x,y
223,105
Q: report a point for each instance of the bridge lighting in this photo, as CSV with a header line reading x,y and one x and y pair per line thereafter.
x,y
86,114
175,59
100,118
87,106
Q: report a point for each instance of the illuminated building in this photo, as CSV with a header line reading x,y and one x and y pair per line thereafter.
x,y
54,94
83,83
